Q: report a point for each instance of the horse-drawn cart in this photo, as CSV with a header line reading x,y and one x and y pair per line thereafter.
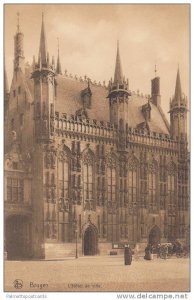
x,y
167,250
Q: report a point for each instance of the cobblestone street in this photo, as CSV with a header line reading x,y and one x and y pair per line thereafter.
x,y
107,273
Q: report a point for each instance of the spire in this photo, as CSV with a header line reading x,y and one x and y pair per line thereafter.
x,y
19,58
58,69
43,48
178,90
118,78
155,70
18,22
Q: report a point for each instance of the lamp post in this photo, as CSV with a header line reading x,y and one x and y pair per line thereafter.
x,y
76,231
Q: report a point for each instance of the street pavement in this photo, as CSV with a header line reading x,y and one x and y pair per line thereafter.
x,y
99,273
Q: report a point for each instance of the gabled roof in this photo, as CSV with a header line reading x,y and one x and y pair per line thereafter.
x,y
68,100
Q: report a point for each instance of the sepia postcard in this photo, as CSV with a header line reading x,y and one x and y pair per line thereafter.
x,y
97,148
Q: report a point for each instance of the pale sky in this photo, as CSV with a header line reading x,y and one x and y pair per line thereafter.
x,y
148,34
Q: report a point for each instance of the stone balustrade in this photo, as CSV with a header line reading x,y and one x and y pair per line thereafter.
x,y
106,130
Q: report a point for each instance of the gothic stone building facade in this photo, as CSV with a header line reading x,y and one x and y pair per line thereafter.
x,y
90,163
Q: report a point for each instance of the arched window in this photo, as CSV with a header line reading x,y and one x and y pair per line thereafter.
x,y
132,186
143,179
100,172
132,196
63,177
152,188
111,162
163,181
88,178
123,181
132,182
171,201
88,182
111,177
64,158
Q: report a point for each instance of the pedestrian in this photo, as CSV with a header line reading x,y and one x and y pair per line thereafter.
x,y
127,255
158,250
165,251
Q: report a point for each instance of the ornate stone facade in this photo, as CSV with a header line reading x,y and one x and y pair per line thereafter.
x,y
120,179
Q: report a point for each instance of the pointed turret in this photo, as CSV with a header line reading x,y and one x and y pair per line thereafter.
x,y
118,77
178,90
118,97
19,58
44,92
178,111
119,82
179,99
58,69
42,58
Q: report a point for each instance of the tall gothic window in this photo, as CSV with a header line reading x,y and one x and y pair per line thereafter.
x,y
132,186
111,174
163,182
100,170
143,179
111,189
63,189
123,181
88,182
153,205
63,177
15,190
171,201
132,196
88,178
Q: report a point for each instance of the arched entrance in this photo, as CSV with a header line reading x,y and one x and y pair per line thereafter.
x,y
90,240
155,235
18,237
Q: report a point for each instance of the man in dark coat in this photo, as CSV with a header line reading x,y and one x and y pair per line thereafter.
x,y
128,255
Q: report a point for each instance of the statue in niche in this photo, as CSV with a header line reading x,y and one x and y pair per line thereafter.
x,y
53,194
53,179
44,126
48,193
52,110
52,125
48,159
53,159
61,204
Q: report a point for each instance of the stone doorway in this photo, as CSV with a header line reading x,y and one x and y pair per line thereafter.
x,y
18,237
90,241
155,236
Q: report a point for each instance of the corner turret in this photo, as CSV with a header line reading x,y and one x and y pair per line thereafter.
x,y
44,92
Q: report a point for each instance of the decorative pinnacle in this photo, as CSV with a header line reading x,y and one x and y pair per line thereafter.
x,y
155,70
118,76
18,21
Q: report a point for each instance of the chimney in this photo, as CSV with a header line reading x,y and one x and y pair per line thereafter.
x,y
155,91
